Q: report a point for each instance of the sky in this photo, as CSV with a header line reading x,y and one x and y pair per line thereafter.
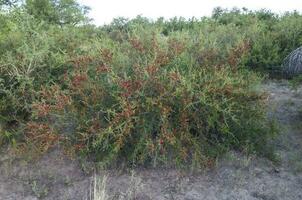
x,y
103,11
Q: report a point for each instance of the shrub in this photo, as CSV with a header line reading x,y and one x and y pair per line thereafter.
x,y
33,54
164,92
158,107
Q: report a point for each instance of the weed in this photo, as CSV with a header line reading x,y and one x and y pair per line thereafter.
x,y
38,190
99,191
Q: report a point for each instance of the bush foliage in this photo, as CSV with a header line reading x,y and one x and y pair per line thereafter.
x,y
145,92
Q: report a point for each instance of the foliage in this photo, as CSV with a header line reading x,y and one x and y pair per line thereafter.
x,y
144,92
60,12
296,82
7,2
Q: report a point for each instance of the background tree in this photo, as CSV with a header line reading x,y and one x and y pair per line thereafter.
x,y
8,3
62,12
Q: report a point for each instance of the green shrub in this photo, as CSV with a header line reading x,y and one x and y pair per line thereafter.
x,y
295,82
147,100
163,92
33,54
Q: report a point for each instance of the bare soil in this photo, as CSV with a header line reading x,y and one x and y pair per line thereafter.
x,y
236,176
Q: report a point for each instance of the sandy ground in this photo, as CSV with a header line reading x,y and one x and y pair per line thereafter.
x,y
55,177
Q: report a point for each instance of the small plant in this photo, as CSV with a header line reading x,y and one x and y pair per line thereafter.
x,y
38,190
295,82
99,191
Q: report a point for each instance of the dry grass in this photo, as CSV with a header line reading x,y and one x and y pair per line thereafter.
x,y
99,189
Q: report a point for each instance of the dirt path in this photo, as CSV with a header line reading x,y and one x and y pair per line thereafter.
x,y
54,177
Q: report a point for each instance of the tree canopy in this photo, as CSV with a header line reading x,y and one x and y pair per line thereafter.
x,y
60,12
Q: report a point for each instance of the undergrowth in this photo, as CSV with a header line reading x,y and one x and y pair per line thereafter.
x,y
143,93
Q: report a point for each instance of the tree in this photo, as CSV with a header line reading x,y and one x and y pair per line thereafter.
x,y
217,12
8,3
60,12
